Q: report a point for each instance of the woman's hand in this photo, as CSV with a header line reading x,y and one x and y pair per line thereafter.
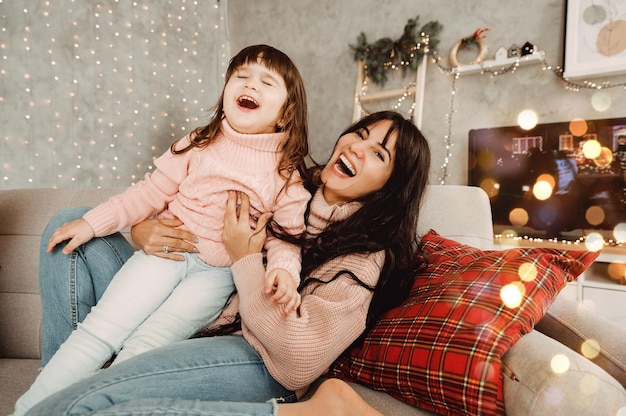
x,y
161,238
238,237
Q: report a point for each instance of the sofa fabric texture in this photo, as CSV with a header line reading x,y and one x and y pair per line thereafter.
x,y
459,213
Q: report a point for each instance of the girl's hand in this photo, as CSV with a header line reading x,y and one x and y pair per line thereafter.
x,y
283,288
153,235
77,231
238,237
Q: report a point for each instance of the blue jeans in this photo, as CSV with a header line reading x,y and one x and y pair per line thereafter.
x,y
208,376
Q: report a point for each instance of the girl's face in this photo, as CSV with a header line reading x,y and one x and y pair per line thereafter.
x,y
254,99
360,164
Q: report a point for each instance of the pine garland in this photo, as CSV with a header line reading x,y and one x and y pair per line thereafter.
x,y
406,52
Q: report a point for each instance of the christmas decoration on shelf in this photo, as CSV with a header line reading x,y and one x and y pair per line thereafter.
x,y
477,39
408,51
403,53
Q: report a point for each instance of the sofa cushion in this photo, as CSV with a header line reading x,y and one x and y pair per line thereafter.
x,y
547,378
442,348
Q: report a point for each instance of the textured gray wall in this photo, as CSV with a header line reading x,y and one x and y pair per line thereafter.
x,y
91,92
316,34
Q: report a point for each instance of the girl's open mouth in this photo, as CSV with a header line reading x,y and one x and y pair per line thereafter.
x,y
247,102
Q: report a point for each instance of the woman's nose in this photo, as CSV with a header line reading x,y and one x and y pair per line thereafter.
x,y
358,148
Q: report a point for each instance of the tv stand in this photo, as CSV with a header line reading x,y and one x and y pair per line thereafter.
x,y
594,287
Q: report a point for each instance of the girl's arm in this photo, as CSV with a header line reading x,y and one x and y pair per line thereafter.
x,y
144,199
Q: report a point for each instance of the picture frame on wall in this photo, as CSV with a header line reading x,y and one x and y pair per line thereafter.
x,y
595,38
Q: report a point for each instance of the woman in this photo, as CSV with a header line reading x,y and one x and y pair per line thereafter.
x,y
358,259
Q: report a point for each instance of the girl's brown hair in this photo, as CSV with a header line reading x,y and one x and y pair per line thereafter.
x,y
294,112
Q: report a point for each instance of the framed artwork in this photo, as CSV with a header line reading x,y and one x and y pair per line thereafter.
x,y
595,38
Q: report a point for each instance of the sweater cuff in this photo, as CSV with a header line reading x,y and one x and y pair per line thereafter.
x,y
249,272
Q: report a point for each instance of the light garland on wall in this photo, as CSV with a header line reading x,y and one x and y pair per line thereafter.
x,y
505,69
91,93
388,61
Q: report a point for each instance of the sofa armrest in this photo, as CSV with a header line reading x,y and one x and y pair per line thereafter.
x,y
573,324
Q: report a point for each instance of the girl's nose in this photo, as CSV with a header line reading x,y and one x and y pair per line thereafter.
x,y
251,83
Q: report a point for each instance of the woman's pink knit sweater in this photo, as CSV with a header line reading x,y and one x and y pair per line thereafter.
x,y
194,185
298,348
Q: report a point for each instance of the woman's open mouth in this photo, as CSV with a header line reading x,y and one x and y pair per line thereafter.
x,y
344,165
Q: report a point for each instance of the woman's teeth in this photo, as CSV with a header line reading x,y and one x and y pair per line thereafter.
x,y
347,166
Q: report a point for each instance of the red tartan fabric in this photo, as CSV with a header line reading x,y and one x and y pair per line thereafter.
x,y
441,350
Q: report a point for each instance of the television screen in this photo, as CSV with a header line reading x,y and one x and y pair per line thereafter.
x,y
557,180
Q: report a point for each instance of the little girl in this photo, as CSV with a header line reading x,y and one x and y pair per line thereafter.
x,y
255,143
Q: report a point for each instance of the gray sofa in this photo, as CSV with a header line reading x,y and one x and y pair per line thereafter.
x,y
460,213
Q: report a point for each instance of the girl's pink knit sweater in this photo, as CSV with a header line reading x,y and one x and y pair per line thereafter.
x,y
194,185
298,348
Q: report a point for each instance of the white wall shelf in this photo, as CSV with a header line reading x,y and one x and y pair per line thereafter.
x,y
501,64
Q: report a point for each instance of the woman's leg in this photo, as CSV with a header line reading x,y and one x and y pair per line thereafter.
x,y
71,284
139,287
206,370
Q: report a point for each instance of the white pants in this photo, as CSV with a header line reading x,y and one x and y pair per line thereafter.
x,y
150,302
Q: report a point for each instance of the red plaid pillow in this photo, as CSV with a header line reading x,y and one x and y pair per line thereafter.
x,y
441,350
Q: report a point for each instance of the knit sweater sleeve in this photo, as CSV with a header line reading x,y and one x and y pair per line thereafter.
x,y
299,347
289,214
142,200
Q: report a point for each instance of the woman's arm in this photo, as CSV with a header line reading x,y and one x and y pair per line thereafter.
x,y
153,235
299,347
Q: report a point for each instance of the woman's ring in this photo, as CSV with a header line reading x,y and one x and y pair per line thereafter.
x,y
166,249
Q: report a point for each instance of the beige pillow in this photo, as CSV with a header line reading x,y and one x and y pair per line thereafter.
x,y
578,386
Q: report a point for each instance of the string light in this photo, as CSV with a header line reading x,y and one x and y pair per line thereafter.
x,y
505,69
100,89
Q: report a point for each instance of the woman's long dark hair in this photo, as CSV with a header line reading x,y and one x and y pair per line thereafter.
x,y
387,219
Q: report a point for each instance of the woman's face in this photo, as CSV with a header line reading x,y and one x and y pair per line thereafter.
x,y
360,164
254,98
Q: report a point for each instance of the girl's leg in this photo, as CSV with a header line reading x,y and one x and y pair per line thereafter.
x,y
195,302
205,370
141,285
71,284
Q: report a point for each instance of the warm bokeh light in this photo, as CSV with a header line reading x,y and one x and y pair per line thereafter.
x,y
594,215
527,272
578,127
559,363
605,157
619,232
590,349
546,177
601,101
486,159
594,242
490,186
527,119
542,190
617,271
592,149
518,217
512,294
